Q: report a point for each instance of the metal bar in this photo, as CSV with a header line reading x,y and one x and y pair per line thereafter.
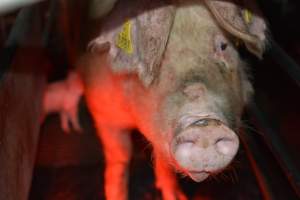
x,y
285,61
278,149
17,34
276,10
253,156
51,21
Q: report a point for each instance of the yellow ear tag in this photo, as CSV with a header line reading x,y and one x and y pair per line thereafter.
x,y
247,16
124,41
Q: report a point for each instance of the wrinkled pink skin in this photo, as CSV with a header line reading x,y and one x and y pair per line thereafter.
x,y
63,97
188,114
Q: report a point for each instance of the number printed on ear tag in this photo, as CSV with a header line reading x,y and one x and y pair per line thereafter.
x,y
124,41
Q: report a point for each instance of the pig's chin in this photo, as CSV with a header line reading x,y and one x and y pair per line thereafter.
x,y
198,176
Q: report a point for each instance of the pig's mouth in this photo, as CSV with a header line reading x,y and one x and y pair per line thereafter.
x,y
199,176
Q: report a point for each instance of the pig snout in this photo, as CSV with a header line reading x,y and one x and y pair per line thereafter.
x,y
204,147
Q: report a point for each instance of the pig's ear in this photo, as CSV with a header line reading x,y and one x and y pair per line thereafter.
x,y
244,21
153,29
137,42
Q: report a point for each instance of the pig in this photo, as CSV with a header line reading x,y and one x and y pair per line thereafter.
x,y
63,97
172,71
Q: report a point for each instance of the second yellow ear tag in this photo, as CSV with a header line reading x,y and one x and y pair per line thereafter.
x,y
247,16
124,40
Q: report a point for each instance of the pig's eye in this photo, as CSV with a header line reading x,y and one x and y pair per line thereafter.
x,y
223,46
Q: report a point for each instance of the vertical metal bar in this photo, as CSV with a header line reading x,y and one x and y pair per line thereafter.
x,y
51,21
278,149
17,34
285,61
259,175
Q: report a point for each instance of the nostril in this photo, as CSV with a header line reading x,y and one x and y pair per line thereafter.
x,y
183,152
226,146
